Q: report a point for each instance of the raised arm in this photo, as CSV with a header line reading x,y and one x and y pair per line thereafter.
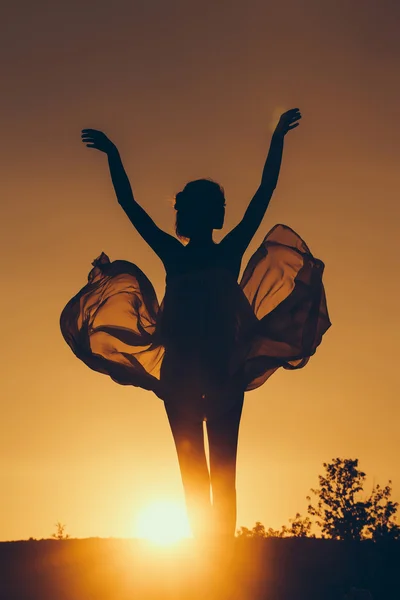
x,y
161,242
240,237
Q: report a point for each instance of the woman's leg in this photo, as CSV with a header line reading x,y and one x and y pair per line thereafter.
x,y
189,441
223,439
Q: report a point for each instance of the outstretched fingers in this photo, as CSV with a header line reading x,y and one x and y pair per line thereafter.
x,y
292,111
90,131
294,114
89,142
96,139
290,119
89,134
89,137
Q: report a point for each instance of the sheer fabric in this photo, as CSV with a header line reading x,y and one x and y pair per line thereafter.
x,y
210,333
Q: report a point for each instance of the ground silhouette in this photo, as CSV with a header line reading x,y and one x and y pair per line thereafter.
x,y
273,569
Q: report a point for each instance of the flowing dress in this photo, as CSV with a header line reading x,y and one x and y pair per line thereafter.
x,y
211,338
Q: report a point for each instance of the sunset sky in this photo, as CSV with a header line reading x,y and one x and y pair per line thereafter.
x,y
190,89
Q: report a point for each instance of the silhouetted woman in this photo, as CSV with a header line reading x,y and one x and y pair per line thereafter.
x,y
212,338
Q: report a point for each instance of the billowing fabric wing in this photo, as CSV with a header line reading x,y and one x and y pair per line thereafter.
x,y
111,324
283,284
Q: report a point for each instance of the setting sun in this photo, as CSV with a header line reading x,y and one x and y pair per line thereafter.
x,y
162,522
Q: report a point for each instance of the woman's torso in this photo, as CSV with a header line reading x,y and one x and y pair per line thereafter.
x,y
202,317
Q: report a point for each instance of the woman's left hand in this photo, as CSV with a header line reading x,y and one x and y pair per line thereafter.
x,y
289,120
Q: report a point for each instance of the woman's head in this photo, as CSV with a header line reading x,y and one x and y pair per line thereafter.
x,y
200,207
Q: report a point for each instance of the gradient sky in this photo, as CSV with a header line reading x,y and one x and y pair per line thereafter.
x,y
189,89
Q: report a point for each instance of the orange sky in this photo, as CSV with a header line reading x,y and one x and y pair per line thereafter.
x,y
187,89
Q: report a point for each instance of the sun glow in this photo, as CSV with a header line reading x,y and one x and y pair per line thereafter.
x,y
162,522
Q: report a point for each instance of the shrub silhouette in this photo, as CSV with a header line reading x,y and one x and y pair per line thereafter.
x,y
341,513
60,532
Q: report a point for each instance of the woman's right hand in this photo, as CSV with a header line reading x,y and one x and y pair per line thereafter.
x,y
98,140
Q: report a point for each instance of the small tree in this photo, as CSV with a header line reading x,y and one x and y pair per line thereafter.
x,y
339,514
60,532
381,522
